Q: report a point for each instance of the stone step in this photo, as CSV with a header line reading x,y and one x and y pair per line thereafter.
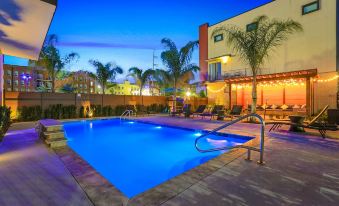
x,y
60,142
53,128
53,135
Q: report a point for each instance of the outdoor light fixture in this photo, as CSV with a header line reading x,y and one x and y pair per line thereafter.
x,y
225,59
188,94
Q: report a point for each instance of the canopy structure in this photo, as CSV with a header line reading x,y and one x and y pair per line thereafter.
x,y
277,76
24,25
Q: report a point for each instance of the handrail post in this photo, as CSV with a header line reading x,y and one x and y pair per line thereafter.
x,y
262,138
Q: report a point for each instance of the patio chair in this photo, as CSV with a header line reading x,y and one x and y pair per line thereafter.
x,y
199,110
235,112
214,112
179,111
322,127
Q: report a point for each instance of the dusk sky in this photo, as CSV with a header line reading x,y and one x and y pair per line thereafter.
x,y
127,32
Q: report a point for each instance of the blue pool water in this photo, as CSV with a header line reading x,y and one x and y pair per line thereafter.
x,y
135,156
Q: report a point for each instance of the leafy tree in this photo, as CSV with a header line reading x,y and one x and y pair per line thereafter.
x,y
105,73
178,62
141,77
255,47
51,60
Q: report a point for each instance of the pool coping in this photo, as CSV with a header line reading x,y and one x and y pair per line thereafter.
x,y
101,192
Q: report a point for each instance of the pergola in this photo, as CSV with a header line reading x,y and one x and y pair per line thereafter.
x,y
279,78
23,28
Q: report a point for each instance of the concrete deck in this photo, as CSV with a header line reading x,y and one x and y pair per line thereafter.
x,y
300,169
30,174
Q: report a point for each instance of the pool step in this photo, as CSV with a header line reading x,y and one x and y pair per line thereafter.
x,y
52,132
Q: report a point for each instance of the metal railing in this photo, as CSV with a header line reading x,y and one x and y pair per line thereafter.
x,y
126,113
262,138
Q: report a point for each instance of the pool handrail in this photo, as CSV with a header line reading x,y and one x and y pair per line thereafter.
x,y
126,113
249,148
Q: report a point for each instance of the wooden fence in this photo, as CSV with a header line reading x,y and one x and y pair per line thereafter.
x,y
16,100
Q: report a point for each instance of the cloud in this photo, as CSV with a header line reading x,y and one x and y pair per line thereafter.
x,y
106,45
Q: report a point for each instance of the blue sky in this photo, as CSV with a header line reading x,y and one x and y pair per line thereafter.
x,y
127,32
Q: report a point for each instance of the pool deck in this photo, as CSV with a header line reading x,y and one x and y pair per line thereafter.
x,y
300,169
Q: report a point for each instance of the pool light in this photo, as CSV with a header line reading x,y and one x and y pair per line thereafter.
x,y
158,127
130,122
198,134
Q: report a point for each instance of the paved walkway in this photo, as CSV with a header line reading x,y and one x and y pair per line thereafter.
x,y
299,170
30,174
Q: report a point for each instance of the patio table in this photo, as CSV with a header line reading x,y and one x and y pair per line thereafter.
x,y
297,119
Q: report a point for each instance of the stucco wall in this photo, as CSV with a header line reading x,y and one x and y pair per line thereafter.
x,y
313,48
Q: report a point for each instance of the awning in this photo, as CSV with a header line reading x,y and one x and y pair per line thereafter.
x,y
277,76
24,25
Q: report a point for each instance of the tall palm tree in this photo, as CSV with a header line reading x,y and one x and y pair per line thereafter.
x,y
51,60
105,72
255,47
141,77
178,62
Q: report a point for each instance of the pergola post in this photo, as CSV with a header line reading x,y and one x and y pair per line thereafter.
x,y
230,95
308,96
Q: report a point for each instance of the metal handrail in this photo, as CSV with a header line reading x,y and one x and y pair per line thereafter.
x,y
262,138
127,112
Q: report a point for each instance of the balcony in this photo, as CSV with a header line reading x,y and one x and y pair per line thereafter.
x,y
226,75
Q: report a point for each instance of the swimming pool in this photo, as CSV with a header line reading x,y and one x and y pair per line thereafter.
x,y
136,156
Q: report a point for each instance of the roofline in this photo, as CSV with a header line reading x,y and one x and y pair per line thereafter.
x,y
50,23
53,2
242,13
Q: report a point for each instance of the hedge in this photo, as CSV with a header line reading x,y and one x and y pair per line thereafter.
x,y
5,120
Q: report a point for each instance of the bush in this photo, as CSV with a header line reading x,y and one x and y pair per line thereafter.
x,y
5,120
30,113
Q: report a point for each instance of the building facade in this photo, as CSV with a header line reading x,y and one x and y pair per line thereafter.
x,y
25,79
126,88
82,81
303,71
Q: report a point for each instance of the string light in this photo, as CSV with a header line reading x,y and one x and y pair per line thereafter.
x,y
277,83
327,80
217,91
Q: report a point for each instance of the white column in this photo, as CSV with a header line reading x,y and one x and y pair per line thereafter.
x,y
1,78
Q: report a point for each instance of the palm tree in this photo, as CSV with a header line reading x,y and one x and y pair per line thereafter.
x,y
178,62
105,72
141,77
255,47
51,60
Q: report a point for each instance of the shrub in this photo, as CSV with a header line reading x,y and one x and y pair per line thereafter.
x,y
5,120
29,113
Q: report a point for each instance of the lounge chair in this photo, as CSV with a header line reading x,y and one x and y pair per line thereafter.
x,y
235,112
187,111
179,111
214,112
313,124
199,110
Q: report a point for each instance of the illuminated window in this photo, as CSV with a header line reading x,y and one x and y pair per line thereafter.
x,y
218,37
9,72
16,73
311,7
251,27
16,82
22,82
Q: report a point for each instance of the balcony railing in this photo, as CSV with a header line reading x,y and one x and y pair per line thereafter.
x,y
226,75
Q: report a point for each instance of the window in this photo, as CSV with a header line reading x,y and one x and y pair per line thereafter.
x,y
22,82
9,82
91,83
16,73
311,7
9,89
218,37
214,71
16,82
251,27
9,73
